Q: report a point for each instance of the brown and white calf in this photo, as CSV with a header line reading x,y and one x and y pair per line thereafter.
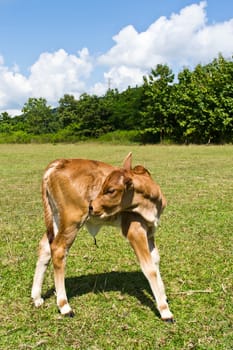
x,y
79,191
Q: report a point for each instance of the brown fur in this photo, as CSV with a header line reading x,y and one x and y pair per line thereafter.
x,y
77,192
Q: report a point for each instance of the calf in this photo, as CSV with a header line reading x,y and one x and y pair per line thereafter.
x,y
77,192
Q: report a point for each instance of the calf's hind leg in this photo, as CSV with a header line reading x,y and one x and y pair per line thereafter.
x,y
59,250
41,266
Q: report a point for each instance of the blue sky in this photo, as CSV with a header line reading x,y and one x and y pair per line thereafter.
x,y
49,48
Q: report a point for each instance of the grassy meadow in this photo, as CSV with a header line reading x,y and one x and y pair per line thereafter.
x,y
111,298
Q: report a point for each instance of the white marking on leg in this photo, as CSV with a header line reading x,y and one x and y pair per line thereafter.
x,y
38,302
65,309
166,314
41,266
55,224
155,255
156,260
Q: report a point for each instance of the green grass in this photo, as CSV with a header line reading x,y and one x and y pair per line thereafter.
x,y
111,298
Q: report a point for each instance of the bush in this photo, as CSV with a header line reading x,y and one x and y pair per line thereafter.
x,y
121,136
15,137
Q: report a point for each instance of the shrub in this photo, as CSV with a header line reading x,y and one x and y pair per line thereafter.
x,y
121,136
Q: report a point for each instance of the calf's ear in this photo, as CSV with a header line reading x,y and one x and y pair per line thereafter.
x,y
127,164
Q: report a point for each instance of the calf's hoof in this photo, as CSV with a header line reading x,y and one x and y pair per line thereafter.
x,y
38,302
169,320
70,314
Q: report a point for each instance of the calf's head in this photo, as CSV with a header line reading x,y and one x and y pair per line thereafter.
x,y
129,190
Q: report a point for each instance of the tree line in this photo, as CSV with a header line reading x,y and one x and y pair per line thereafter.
x,y
196,107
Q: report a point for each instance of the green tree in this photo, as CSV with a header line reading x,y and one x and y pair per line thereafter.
x,y
156,117
5,122
125,108
204,102
189,97
220,102
67,111
83,118
94,115
39,117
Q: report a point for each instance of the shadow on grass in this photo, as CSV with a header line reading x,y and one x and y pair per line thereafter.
x,y
131,283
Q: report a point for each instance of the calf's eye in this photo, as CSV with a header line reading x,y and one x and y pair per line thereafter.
x,y
110,191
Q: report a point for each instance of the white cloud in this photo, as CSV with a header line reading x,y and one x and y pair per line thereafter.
x,y
185,38
51,76
99,88
57,73
164,40
119,77
13,86
12,112
212,40
124,76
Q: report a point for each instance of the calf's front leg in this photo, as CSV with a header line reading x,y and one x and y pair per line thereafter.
x,y
135,230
